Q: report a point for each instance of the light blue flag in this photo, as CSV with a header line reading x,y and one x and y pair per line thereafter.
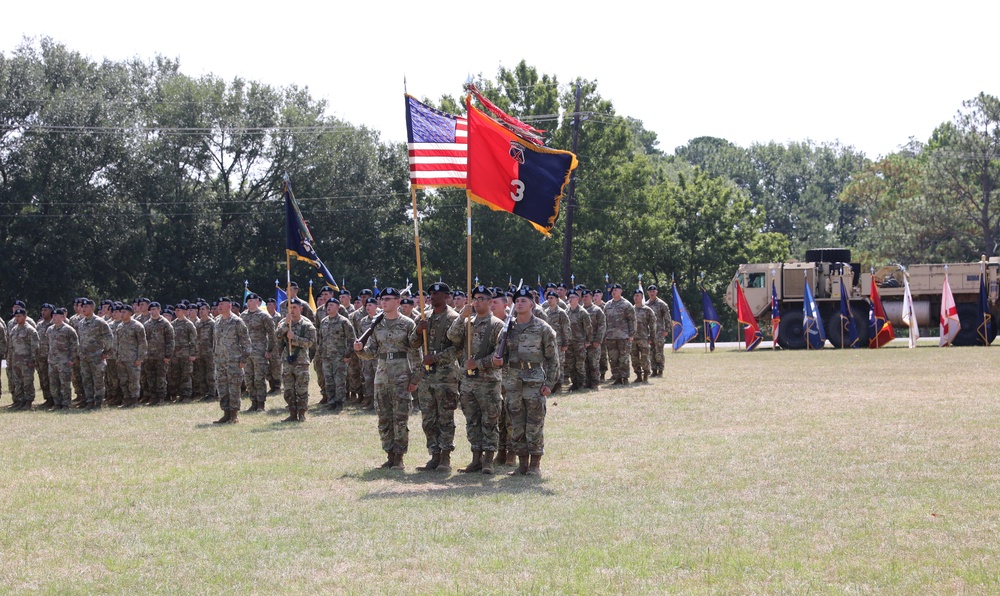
x,y
684,329
812,323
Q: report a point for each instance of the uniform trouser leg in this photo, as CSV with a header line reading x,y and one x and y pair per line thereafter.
x,y
657,352
335,374
576,364
605,364
42,366
593,365
438,402
274,370
503,423
481,405
295,379
320,377
368,374
92,373
112,389
156,378
256,377
640,356
60,383
229,379
355,379
128,379
23,387
77,380
526,406
392,408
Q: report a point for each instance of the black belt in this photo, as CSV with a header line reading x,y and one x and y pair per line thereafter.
x,y
393,356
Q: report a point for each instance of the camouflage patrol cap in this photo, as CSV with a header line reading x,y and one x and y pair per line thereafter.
x,y
440,287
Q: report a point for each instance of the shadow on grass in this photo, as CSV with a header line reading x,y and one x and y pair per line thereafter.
x,y
436,484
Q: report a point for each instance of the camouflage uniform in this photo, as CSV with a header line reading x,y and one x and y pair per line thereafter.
x,y
22,351
260,326
557,319
438,385
4,354
130,347
481,400
389,345
581,335
355,375
160,341
317,360
74,321
367,366
307,310
231,348
274,364
96,343
531,352
645,331
42,362
64,348
295,363
336,340
203,372
599,326
662,311
621,326
181,366
112,388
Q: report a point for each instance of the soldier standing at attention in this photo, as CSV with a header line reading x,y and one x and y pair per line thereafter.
x,y
355,372
645,332
64,349
599,324
438,382
204,366
261,328
274,364
621,329
112,389
297,335
336,343
96,343
232,349
395,379
130,353
532,354
160,339
367,366
557,319
42,364
505,451
293,292
325,295
185,353
581,335
22,351
663,326
480,381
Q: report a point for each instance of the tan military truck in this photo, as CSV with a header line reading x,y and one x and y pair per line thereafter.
x,y
825,267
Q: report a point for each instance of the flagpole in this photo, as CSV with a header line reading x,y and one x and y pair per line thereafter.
x,y
420,272
468,274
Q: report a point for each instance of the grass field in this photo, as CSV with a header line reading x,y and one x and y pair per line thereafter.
x,y
789,472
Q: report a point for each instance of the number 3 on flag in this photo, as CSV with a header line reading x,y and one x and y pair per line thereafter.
x,y
518,193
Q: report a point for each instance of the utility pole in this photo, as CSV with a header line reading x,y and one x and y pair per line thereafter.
x,y
570,198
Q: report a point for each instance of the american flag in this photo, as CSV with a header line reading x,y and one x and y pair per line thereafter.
x,y
438,145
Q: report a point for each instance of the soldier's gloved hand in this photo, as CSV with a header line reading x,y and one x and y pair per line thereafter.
x,y
421,326
430,359
471,364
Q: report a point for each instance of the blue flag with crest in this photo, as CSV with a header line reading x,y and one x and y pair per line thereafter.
x,y
812,323
683,328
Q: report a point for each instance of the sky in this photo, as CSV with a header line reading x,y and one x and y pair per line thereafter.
x,y
867,74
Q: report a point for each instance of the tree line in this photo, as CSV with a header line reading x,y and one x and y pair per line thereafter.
x,y
121,178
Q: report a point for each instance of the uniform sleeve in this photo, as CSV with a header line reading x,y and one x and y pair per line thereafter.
x,y
630,320
601,330
243,335
550,353
109,341
143,345
494,341
168,339
588,329
349,338
567,332
270,342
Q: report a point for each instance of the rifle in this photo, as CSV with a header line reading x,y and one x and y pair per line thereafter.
x,y
368,333
502,343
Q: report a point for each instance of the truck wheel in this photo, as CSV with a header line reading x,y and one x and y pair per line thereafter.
x,y
828,255
833,331
968,335
791,334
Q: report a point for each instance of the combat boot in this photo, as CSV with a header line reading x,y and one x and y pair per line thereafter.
x,y
302,414
325,400
225,418
262,405
397,463
522,466
534,463
501,457
252,408
431,464
293,416
476,465
390,458
487,462
510,458
445,465
46,405
638,377
234,416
